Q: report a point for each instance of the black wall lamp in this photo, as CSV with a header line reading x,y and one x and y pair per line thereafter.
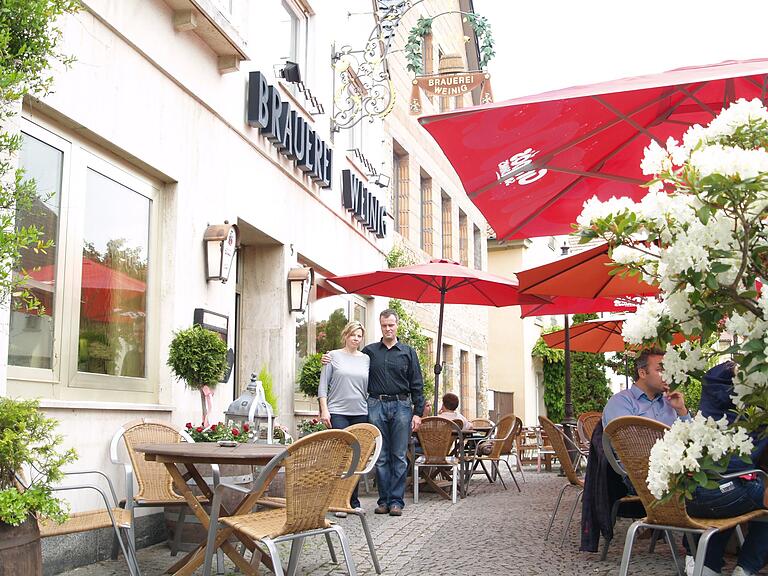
x,y
290,72
221,244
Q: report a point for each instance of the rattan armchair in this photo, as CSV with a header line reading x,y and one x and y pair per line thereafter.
x,y
501,441
632,438
155,486
482,422
108,516
369,438
558,440
585,425
314,467
610,457
437,437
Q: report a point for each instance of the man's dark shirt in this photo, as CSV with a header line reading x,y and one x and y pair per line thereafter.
x,y
395,370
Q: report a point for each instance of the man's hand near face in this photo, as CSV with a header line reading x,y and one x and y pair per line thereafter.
x,y
677,401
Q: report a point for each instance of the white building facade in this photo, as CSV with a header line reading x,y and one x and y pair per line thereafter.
x,y
172,119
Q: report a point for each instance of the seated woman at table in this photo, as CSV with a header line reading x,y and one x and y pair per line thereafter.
x,y
733,497
343,389
449,410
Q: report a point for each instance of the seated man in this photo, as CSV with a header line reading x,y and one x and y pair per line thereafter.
x,y
649,396
732,497
449,410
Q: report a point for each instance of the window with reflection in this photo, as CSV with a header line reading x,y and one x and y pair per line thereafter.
x,y
113,290
31,330
319,328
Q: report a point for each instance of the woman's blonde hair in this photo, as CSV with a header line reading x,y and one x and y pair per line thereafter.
x,y
349,328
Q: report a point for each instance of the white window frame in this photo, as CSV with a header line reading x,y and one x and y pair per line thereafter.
x,y
64,381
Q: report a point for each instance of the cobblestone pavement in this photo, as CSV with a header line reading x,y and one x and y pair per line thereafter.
x,y
492,532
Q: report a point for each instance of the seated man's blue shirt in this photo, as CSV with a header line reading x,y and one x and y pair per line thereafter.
x,y
634,402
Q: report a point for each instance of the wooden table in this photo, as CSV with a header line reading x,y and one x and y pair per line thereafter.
x,y
188,455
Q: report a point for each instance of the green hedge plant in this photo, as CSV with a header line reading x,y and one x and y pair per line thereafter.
x,y
29,444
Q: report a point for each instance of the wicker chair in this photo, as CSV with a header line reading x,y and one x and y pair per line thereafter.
x,y
108,516
501,442
369,438
630,499
482,422
155,486
632,438
512,447
585,425
314,467
558,440
437,437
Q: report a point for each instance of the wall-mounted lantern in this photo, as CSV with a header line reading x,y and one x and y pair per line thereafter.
x,y
221,243
299,283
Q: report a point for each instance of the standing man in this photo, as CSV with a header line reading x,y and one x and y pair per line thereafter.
x,y
395,399
649,396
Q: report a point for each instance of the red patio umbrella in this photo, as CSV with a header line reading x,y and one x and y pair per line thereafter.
x,y
530,163
442,281
569,305
585,275
596,336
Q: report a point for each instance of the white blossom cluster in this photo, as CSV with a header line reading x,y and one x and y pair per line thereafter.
x,y
684,445
670,216
682,360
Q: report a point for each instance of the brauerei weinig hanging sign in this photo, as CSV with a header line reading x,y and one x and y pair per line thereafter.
x,y
449,85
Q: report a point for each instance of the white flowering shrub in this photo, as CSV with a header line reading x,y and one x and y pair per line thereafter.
x,y
692,453
701,235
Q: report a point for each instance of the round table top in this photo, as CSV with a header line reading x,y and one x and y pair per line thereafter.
x,y
211,453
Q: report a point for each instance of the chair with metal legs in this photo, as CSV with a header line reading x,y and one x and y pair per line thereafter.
x,y
369,438
314,465
558,440
108,516
632,438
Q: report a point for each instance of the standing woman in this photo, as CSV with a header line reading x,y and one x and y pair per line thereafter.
x,y
343,386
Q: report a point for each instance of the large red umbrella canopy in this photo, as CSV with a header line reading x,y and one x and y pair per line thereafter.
x,y
585,275
442,281
436,281
530,163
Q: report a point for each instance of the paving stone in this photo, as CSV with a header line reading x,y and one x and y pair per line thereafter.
x,y
491,532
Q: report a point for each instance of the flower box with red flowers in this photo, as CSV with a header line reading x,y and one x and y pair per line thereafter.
x,y
306,427
217,432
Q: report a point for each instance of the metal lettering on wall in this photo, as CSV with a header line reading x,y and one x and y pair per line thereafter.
x,y
288,131
363,204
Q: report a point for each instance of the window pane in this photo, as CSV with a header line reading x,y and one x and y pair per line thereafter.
x,y
31,333
329,316
113,296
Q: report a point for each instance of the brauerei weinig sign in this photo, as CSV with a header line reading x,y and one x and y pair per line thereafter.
x,y
287,130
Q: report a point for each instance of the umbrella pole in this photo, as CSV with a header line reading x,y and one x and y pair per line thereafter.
x,y
569,422
438,366
626,371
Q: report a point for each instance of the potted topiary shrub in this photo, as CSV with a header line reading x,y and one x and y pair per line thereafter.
x,y
28,444
309,378
198,357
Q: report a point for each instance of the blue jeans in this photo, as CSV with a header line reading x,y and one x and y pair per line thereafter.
x,y
393,419
339,421
746,496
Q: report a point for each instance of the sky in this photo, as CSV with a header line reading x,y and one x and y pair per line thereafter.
x,y
548,44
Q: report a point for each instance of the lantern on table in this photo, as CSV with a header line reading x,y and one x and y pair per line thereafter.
x,y
252,408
